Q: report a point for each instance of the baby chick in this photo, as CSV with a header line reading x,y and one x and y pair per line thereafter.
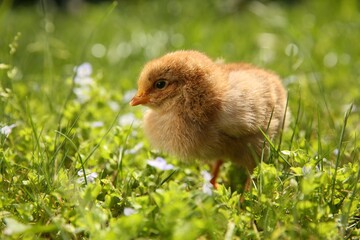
x,y
201,109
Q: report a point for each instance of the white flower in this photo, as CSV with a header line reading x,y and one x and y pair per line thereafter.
x,y
293,183
206,175
128,119
135,149
82,93
90,177
6,130
207,186
83,70
129,95
160,163
13,227
97,124
114,106
82,81
129,211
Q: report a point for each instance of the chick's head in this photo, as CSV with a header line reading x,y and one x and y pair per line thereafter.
x,y
165,81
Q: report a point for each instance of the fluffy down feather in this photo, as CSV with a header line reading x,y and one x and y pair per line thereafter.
x,y
201,109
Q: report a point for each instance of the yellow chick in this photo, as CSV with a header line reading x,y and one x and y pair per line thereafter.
x,y
202,109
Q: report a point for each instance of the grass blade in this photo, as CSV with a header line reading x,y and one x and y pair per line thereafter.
x,y
337,163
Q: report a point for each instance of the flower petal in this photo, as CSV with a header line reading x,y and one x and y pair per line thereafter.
x,y
207,187
160,163
129,211
206,175
83,70
6,130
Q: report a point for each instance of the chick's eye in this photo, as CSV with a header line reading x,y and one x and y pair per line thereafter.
x,y
160,84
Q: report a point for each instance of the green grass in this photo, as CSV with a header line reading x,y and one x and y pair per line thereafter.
x,y
75,167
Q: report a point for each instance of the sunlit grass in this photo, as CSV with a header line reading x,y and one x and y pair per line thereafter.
x,y
74,163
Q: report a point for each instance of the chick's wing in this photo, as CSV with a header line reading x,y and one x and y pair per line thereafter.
x,y
248,102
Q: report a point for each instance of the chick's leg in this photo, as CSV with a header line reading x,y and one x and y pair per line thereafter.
x,y
215,172
247,185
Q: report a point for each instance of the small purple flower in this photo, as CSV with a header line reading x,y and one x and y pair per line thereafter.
x,y
306,170
89,177
207,186
97,124
160,163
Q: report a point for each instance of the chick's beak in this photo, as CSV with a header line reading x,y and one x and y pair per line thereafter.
x,y
139,99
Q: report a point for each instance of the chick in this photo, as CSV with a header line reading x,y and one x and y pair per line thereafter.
x,y
202,109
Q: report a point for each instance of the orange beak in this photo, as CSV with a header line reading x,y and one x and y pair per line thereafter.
x,y
140,99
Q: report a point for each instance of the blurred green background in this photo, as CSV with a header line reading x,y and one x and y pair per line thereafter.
x,y
292,38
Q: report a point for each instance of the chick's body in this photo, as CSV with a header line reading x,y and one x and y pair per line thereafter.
x,y
208,110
